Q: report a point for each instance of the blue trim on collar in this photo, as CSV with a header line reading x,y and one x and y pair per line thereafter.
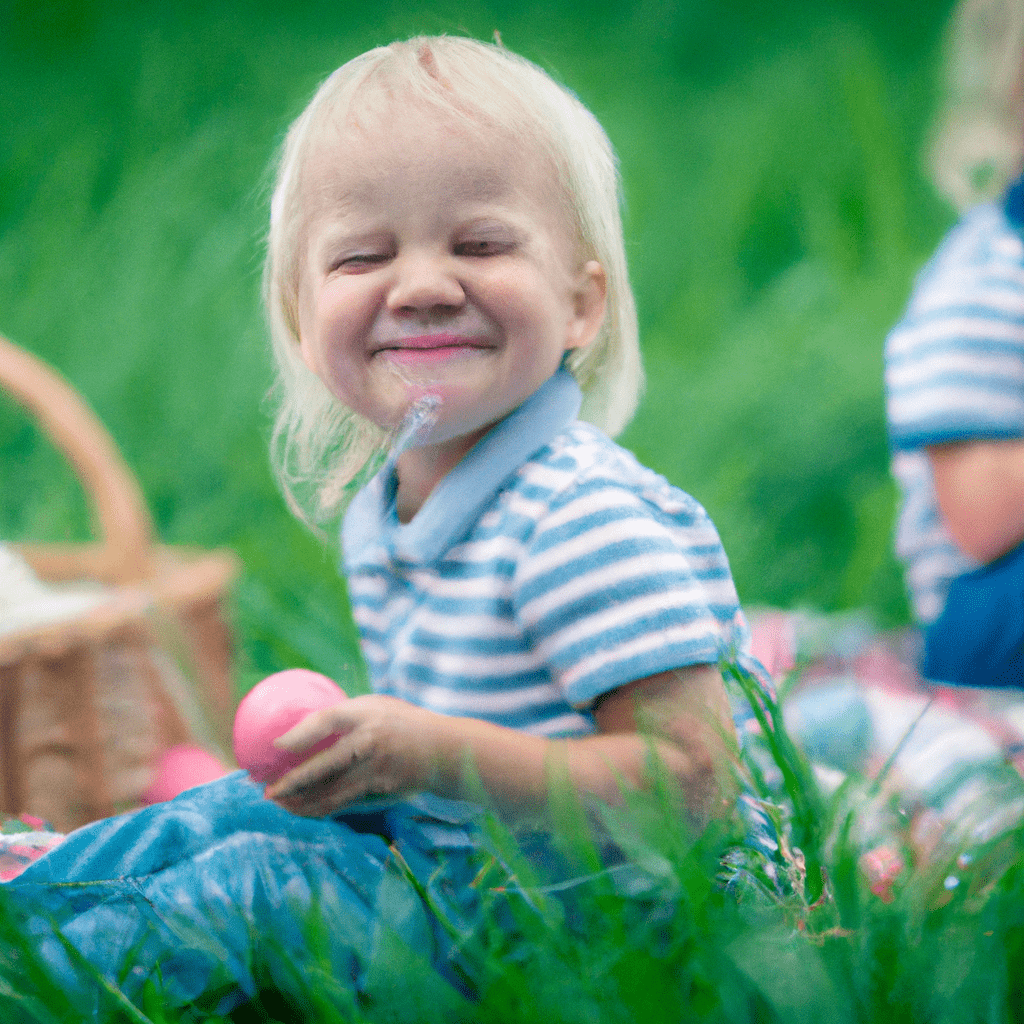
x,y
459,500
1013,204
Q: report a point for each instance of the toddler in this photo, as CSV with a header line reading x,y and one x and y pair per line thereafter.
x,y
955,373
446,248
456,338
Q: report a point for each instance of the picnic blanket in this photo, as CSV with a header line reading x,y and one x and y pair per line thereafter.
x,y
23,839
853,699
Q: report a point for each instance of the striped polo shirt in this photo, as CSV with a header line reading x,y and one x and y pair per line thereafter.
x,y
954,372
546,569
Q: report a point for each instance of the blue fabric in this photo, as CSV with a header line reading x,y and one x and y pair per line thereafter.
x,y
213,892
1013,203
211,886
978,638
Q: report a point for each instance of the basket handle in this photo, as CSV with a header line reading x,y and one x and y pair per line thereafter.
x,y
122,518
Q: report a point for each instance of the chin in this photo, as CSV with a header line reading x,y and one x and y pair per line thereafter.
x,y
451,427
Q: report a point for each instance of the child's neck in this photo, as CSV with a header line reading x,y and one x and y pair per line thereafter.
x,y
421,469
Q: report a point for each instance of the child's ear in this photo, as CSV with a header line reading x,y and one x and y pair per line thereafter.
x,y
307,352
304,351
589,302
300,314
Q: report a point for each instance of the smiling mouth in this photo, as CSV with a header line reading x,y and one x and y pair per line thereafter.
x,y
430,348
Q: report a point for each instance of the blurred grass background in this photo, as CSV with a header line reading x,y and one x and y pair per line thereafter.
x,y
776,211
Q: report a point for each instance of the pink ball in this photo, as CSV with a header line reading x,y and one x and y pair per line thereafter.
x,y
270,709
179,768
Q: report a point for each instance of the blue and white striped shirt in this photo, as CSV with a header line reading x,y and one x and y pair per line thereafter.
x,y
954,372
546,569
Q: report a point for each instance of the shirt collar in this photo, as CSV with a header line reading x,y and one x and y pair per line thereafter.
x,y
1013,204
459,500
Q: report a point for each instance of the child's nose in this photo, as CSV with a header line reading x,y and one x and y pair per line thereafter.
x,y
424,281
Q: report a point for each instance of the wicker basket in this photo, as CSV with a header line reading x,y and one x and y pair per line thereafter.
x,y
88,705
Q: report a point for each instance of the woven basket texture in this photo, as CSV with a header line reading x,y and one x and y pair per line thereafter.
x,y
88,704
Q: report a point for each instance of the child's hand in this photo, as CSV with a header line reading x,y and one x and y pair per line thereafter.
x,y
385,746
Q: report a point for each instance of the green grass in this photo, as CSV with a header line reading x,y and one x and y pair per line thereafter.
x,y
707,928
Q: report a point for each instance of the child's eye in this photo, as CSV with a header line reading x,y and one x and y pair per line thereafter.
x,y
354,262
482,247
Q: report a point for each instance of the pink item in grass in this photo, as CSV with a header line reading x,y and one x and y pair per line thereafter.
x,y
179,768
773,643
883,866
270,709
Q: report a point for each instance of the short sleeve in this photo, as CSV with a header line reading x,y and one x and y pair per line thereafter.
x,y
955,363
616,587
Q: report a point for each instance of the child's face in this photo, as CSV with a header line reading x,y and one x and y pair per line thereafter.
x,y
438,262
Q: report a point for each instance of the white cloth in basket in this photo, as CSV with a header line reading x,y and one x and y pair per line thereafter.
x,y
25,601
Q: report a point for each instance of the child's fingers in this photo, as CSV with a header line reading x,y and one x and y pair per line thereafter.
x,y
331,763
322,799
316,726
321,785
377,753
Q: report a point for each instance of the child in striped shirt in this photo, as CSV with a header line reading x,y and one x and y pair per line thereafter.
x,y
453,325
446,263
955,373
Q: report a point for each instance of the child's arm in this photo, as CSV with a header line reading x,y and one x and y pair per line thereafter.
x,y
979,486
390,746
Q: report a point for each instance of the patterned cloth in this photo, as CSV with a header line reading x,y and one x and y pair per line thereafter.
x,y
546,569
954,371
953,756
23,840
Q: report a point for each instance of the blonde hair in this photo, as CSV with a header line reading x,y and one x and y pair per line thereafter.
x,y
978,146
319,447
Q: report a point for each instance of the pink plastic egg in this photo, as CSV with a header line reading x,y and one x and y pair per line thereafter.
x,y
179,768
269,710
